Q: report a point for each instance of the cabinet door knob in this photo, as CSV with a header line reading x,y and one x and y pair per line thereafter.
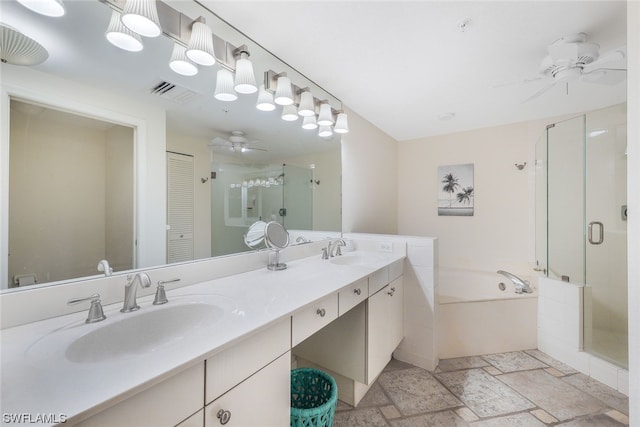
x,y
223,416
321,312
357,291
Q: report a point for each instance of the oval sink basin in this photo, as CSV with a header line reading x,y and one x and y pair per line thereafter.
x,y
128,335
141,333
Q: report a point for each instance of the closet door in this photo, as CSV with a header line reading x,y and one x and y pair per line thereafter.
x,y
180,206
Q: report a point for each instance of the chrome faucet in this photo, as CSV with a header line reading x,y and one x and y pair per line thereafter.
x,y
521,285
103,266
130,291
334,247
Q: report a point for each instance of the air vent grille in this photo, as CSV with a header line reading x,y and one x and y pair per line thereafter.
x,y
173,92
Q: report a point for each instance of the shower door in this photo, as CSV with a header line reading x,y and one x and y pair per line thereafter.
x,y
605,292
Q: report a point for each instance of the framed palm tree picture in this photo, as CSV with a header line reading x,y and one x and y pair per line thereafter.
x,y
455,190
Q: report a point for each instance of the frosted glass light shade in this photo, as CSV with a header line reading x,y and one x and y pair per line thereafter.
x,y
200,48
325,118
120,36
53,8
289,113
307,105
310,123
224,86
265,100
180,63
325,131
342,125
284,93
245,81
141,16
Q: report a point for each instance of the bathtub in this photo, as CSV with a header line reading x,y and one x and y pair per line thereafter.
x,y
475,317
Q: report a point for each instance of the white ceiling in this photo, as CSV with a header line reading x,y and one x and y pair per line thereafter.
x,y
402,64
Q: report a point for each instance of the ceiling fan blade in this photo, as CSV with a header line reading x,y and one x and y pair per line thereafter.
x,y
611,56
255,149
524,81
540,92
605,76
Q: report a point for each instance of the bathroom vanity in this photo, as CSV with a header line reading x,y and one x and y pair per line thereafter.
x,y
219,352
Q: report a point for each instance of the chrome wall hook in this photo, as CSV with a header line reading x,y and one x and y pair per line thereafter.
x,y
521,165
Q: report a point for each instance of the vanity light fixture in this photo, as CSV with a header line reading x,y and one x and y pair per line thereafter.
x,y
342,125
325,131
307,105
265,100
224,86
18,49
141,16
200,48
284,92
180,63
245,80
310,123
122,37
53,8
289,113
325,118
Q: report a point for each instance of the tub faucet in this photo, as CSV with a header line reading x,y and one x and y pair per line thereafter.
x,y
130,290
521,285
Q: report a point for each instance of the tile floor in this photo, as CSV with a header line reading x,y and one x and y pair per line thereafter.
x,y
521,388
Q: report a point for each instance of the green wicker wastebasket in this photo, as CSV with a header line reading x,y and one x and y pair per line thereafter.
x,y
314,395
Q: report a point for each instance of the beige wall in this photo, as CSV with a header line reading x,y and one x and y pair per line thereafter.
x,y
70,198
500,234
369,179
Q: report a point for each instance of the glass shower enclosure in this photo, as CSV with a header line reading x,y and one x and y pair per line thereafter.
x,y
581,195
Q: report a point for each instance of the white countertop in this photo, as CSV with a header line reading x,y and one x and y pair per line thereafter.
x,y
37,378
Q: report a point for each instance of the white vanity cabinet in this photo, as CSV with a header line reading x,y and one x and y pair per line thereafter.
x,y
384,326
262,400
165,404
313,318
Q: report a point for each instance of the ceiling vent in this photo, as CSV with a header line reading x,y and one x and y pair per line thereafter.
x,y
173,92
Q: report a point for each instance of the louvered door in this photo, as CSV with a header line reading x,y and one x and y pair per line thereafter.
x,y
180,206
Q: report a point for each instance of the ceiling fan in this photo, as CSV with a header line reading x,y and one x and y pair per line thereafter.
x,y
237,143
572,58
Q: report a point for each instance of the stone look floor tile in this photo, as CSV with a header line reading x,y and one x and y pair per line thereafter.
x,y
390,412
544,416
544,358
484,394
438,419
415,390
395,364
554,372
492,370
597,420
514,361
466,414
374,397
459,363
342,406
558,398
618,416
611,397
369,417
522,420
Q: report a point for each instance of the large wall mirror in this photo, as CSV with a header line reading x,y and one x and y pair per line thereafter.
x,y
109,154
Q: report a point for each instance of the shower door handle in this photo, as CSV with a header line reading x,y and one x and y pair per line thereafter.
x,y
601,234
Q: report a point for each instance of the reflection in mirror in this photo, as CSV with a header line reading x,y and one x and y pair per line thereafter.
x,y
70,195
170,114
255,235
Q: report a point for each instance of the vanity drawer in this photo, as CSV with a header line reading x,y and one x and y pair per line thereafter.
x,y
231,366
313,318
378,280
352,295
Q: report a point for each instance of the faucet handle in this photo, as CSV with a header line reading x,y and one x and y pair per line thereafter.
x,y
325,253
161,295
96,314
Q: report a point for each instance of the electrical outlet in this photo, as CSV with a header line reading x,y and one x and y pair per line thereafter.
x,y
385,247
